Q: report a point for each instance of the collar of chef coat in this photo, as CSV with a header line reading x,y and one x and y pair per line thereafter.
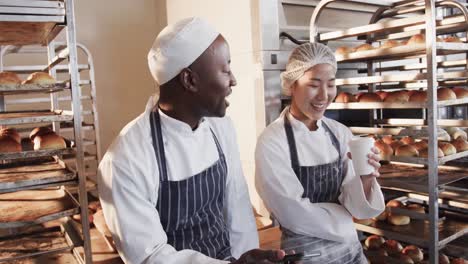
x,y
299,126
173,124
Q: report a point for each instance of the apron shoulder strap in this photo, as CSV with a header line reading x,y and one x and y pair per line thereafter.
x,y
291,142
158,143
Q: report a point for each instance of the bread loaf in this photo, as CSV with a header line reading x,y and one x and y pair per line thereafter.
x,y
406,151
392,247
417,39
343,50
418,96
460,144
443,259
390,44
453,39
49,141
40,78
459,261
404,259
460,92
9,78
397,97
385,150
382,94
416,208
420,145
424,153
364,47
374,242
447,148
345,97
382,216
445,94
388,139
369,98
396,144
11,132
9,144
407,140
39,131
396,219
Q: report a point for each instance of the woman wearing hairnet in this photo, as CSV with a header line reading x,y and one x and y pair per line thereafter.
x,y
303,172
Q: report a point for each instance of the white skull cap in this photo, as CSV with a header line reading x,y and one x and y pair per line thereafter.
x,y
177,46
303,58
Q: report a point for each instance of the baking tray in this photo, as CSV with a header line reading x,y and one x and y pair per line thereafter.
x,y
31,88
39,116
14,177
25,208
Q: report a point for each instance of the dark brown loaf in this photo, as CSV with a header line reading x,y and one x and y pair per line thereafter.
x,y
418,96
11,132
406,151
8,145
443,259
39,131
374,242
460,144
459,261
413,252
445,94
460,92
397,97
416,208
49,141
392,247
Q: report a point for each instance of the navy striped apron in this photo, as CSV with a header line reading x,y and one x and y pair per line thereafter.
x,y
321,184
191,210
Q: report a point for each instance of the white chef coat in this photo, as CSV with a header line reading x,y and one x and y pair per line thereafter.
x,y
282,191
129,181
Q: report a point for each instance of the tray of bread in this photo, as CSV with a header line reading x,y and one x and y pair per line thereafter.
x,y
27,174
38,116
42,142
393,49
399,99
30,207
11,83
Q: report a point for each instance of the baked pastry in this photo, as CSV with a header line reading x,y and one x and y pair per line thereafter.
x,y
9,144
416,208
453,39
374,242
396,144
417,39
100,223
445,94
39,131
390,44
382,94
460,144
41,78
424,153
345,97
9,78
407,140
397,97
392,247
459,261
447,148
395,204
385,150
11,132
460,92
420,145
418,96
382,216
49,141
363,47
406,151
396,219
413,252
369,98
388,139
343,50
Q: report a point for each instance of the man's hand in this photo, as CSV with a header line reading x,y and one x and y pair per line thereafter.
x,y
259,256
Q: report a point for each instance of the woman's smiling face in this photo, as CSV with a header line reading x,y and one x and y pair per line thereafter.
x,y
314,91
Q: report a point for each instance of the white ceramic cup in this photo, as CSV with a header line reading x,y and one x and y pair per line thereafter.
x,y
360,147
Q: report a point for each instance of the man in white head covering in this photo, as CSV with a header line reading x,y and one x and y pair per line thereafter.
x,y
171,184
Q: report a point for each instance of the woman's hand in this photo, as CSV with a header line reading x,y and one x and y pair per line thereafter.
x,y
374,161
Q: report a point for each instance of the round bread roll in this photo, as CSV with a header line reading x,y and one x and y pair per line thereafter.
x,y
100,223
382,94
395,204
445,94
460,92
369,98
420,145
418,96
417,39
396,219
407,140
9,78
363,221
382,216
363,47
404,259
452,39
424,153
460,144
388,139
345,97
343,50
458,261
41,78
443,259
416,208
459,134
447,148
392,247
374,242
49,141
390,44
11,132
406,151
413,252
397,97
396,144
39,131
385,150
9,144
